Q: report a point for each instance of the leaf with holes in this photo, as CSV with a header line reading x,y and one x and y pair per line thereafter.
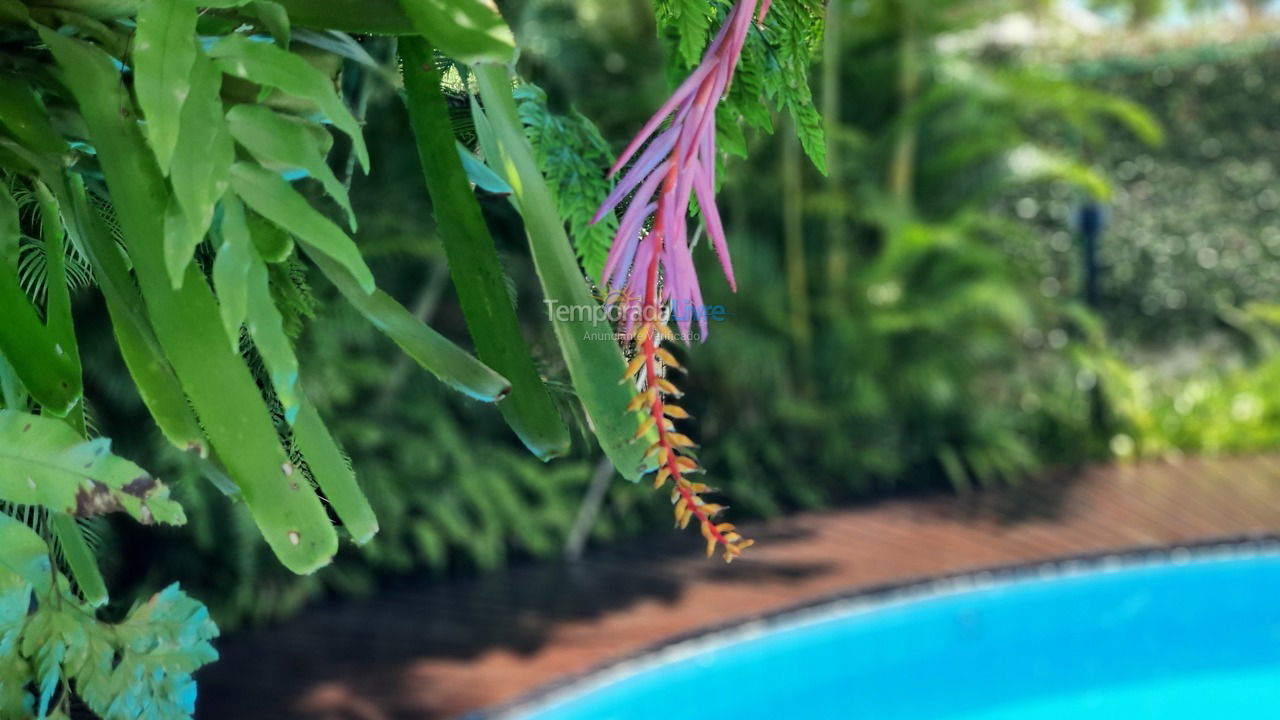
x,y
44,462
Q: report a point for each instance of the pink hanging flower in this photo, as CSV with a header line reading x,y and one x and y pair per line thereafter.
x,y
677,164
650,272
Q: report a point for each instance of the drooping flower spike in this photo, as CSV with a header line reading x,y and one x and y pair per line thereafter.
x,y
650,272
676,164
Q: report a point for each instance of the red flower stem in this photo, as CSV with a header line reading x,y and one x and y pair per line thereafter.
x,y
649,315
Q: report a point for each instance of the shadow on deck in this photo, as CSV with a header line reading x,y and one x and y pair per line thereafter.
x,y
447,648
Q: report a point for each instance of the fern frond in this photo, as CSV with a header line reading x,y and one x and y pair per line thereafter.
x,y
574,157
773,71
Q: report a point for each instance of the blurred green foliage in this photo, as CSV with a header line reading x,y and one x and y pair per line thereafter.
x,y
909,323
1194,225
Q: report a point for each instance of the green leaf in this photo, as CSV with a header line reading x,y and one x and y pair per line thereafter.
x,y
344,46
284,143
14,699
10,228
79,558
231,275
179,243
1028,163
26,119
270,66
57,309
469,31
25,555
376,17
201,164
14,11
164,51
265,325
332,473
58,302
273,244
276,18
689,21
434,352
152,375
473,261
488,142
187,324
269,195
142,668
44,462
480,174
809,128
46,640
574,159
586,339
45,368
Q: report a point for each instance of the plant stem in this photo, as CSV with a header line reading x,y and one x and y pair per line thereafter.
x,y
837,241
793,242
902,163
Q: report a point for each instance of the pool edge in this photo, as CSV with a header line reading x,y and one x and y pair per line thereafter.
x,y
908,589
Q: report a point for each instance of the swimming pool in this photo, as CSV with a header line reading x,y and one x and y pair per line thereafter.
x,y
1180,638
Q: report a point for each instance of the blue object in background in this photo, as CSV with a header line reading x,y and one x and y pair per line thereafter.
x,y
1198,639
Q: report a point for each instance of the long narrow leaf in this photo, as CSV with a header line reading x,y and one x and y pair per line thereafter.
x,y
44,367
586,339
231,279
270,66
266,327
466,30
276,19
480,174
333,475
164,50
433,351
187,324
58,304
473,261
23,115
10,228
284,143
79,557
201,166
143,357
269,195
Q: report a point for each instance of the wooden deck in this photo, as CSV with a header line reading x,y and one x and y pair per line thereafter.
x,y
445,649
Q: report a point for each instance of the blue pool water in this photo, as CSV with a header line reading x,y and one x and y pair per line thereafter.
x,y
1197,639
